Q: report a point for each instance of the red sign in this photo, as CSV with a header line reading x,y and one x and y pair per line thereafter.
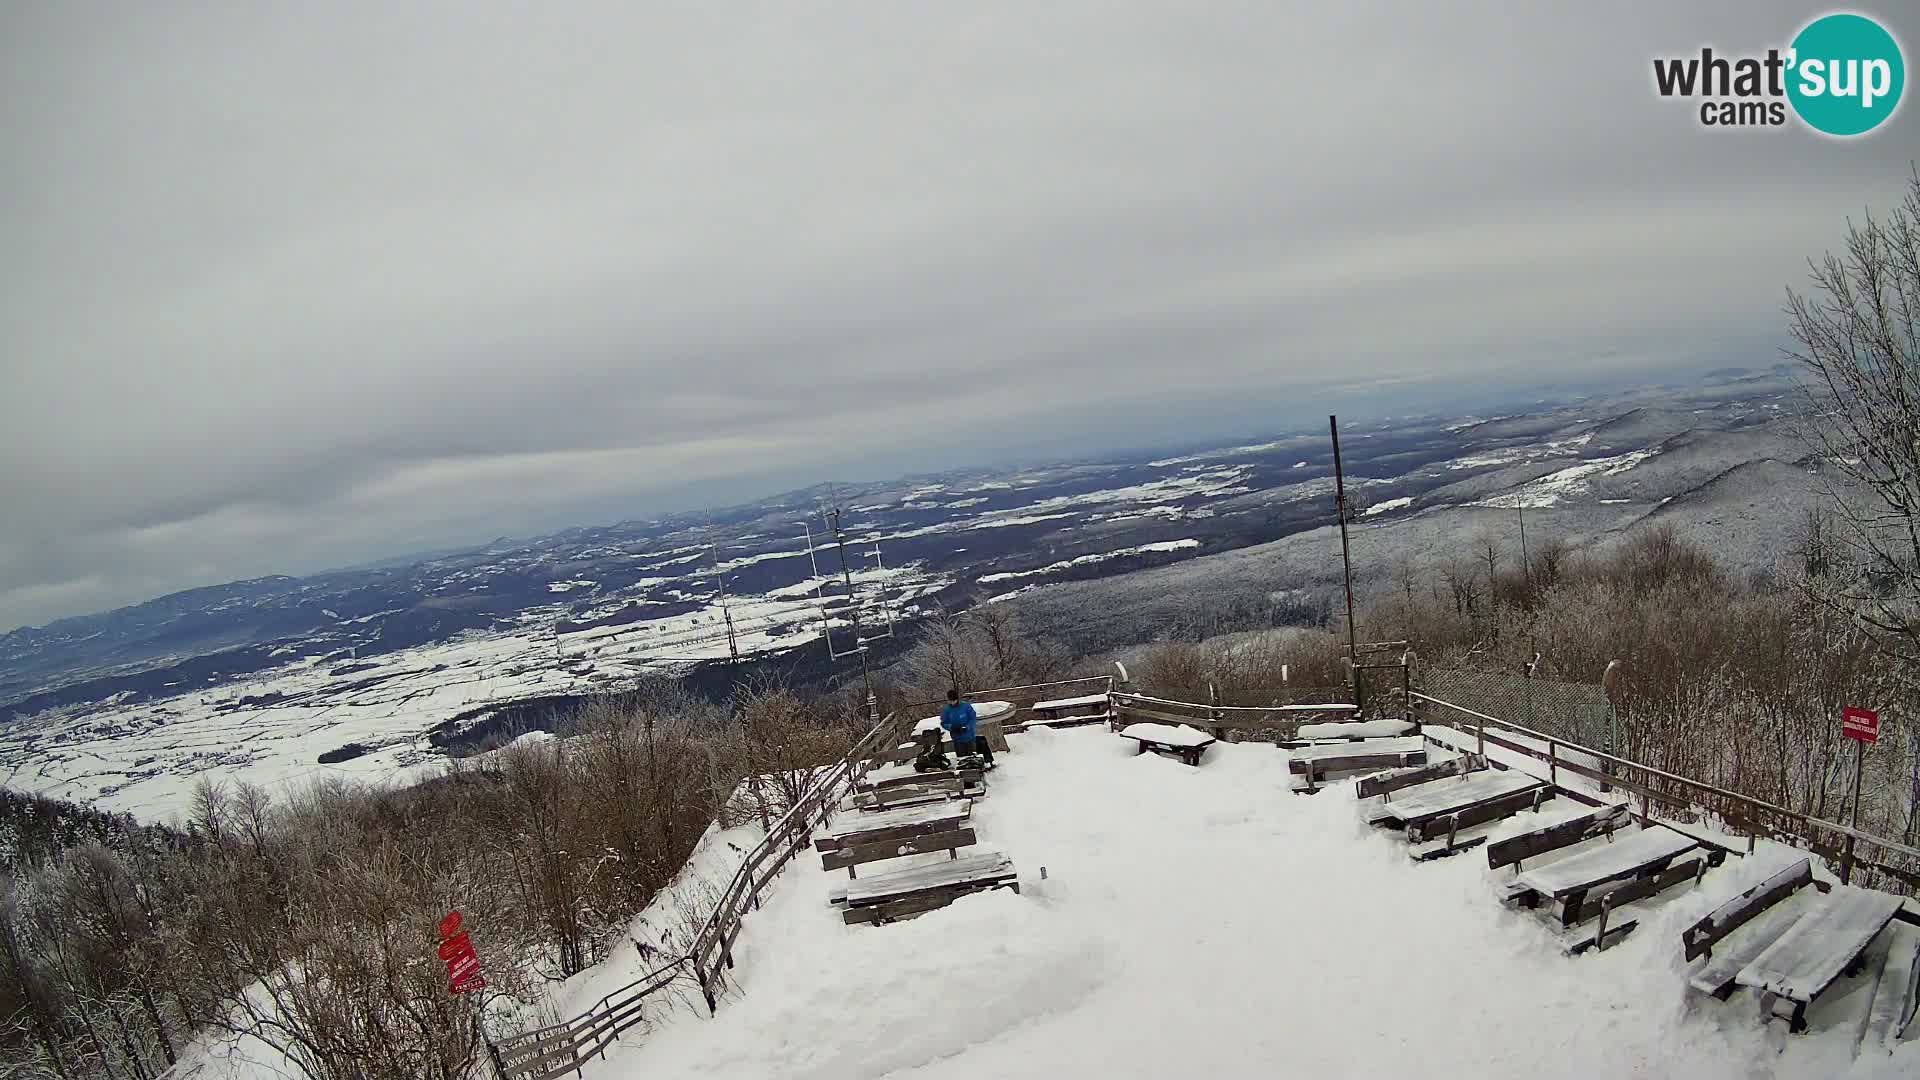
x,y
463,964
1860,724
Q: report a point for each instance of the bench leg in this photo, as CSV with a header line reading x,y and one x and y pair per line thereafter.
x,y
1570,908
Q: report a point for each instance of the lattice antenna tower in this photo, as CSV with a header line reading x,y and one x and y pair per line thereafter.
x,y
855,603
720,587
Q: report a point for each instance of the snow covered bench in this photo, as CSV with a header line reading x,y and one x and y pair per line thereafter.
x,y
1182,742
1592,825
934,787
1316,761
1439,837
902,894
1891,1017
883,779
1352,730
1699,939
1063,712
1628,867
1385,783
851,855
900,824
1828,941
1421,805
990,718
1716,978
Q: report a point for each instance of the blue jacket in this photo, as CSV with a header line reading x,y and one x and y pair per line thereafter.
x,y
958,719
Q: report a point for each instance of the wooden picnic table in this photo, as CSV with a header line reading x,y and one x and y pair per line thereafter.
x,y
989,718
1183,742
1817,949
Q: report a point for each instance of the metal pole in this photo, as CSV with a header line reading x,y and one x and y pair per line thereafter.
x,y
1859,753
1346,559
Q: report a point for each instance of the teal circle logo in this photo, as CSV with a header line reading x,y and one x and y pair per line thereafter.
x,y
1847,74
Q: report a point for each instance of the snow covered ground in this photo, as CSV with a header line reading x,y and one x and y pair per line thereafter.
x,y
1206,922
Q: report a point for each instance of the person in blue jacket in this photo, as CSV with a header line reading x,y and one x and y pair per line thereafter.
x,y
959,720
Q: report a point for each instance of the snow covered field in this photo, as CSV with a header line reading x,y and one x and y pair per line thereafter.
x,y
1204,922
271,729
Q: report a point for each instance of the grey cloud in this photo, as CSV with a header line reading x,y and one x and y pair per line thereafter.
x,y
289,288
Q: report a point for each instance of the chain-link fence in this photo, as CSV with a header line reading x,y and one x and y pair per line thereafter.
x,y
1576,712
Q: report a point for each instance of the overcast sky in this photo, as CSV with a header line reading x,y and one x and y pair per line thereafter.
x,y
292,286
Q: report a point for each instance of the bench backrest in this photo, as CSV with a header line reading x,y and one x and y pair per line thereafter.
x,y
857,854
1383,783
1699,938
1606,819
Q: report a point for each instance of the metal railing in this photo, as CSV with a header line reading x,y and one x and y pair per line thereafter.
x,y
558,1049
1896,862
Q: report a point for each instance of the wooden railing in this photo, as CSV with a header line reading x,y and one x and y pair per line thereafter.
x,y
1282,721
554,1051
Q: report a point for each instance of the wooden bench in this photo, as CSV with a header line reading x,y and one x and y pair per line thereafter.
x,y
1316,761
1628,867
851,856
1421,835
1715,978
1183,742
884,825
883,779
916,794
1384,784
1825,943
902,894
1066,712
1516,849
1894,994
1698,940
1351,731
1438,798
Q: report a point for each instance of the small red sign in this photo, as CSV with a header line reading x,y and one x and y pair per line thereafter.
x,y
463,964
1860,724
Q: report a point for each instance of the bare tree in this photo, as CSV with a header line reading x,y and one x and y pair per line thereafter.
x,y
1855,340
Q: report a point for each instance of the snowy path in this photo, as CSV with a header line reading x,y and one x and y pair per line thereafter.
x,y
1205,922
